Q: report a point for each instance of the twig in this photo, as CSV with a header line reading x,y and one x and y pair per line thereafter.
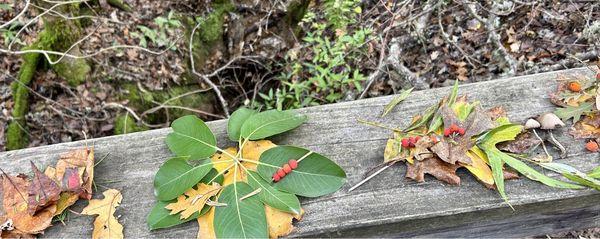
x,y
27,3
493,36
204,77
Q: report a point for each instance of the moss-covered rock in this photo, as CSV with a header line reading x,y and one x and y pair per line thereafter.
x,y
208,38
142,100
126,124
16,135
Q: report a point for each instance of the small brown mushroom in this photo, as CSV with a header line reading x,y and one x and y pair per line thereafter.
x,y
534,124
550,121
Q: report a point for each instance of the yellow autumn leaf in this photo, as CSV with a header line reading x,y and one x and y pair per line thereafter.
x,y
479,166
252,151
280,223
106,224
193,200
206,228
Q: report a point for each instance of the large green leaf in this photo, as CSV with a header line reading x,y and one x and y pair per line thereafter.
x,y
191,137
315,176
574,112
240,218
573,174
402,96
487,143
283,201
537,176
176,176
235,122
160,217
269,123
595,173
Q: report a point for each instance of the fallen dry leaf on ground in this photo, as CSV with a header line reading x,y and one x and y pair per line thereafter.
x,y
106,224
433,166
75,171
206,229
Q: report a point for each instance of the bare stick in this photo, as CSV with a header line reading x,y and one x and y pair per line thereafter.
x,y
370,177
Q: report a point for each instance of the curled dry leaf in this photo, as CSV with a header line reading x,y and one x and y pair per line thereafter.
x,y
106,224
42,191
75,171
15,204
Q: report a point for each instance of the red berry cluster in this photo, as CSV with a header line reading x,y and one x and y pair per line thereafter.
x,y
285,170
410,141
454,129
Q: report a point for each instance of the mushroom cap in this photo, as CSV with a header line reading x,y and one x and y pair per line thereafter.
x,y
532,124
550,121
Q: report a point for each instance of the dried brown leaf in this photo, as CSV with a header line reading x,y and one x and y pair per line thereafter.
x,y
42,191
433,166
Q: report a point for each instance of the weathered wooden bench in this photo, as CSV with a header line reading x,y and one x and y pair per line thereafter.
x,y
389,205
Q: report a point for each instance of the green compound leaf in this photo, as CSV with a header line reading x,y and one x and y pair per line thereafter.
x,y
160,217
235,122
191,137
269,195
176,176
240,218
574,112
269,123
315,176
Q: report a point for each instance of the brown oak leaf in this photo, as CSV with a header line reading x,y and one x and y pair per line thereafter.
x,y
587,128
15,204
522,143
441,170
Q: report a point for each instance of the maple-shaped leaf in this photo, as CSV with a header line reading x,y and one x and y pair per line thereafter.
x,y
574,112
106,224
42,191
441,170
193,200
454,150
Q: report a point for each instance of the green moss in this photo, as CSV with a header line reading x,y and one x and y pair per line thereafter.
x,y
16,136
144,100
126,124
296,11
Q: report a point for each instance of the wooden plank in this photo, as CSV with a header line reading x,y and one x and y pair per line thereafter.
x,y
387,206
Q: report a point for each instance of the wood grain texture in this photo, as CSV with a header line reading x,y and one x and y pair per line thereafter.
x,y
389,205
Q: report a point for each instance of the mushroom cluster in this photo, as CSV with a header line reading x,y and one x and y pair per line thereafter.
x,y
547,122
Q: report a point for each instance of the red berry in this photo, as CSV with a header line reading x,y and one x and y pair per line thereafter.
x,y
287,169
461,131
412,141
598,76
454,128
447,132
591,146
293,163
281,173
417,139
405,143
276,178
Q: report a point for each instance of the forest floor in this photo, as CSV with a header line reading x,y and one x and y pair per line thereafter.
x,y
366,49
